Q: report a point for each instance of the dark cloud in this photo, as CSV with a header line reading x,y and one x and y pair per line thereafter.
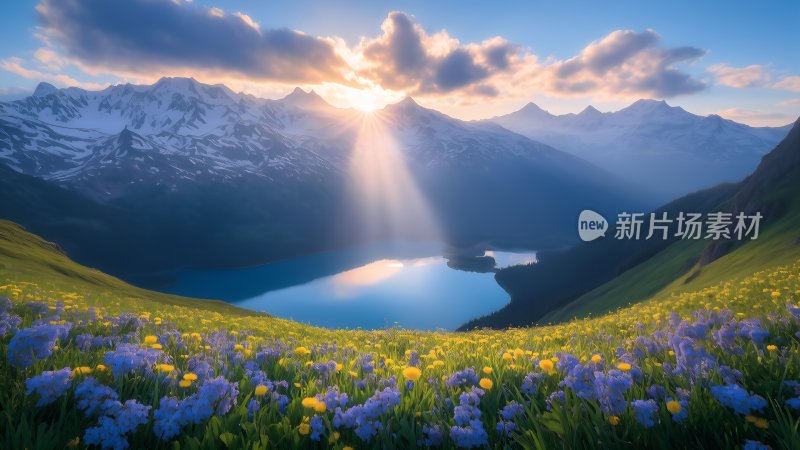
x,y
625,62
142,35
405,58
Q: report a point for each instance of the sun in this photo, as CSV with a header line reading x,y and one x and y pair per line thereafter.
x,y
364,100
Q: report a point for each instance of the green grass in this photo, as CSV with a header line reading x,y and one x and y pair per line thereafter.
x,y
228,338
675,269
25,257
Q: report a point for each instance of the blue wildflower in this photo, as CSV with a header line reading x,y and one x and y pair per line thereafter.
x,y
215,397
111,430
580,380
364,418
9,323
50,385
755,445
645,411
610,389
737,398
34,343
466,377
317,428
468,431
506,425
131,359
531,382
433,435
95,398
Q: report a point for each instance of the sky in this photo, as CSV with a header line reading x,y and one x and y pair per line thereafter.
x,y
471,60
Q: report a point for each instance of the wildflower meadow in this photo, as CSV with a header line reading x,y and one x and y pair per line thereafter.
x,y
718,368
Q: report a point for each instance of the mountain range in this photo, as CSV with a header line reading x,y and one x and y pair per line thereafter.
x,y
151,171
662,149
600,276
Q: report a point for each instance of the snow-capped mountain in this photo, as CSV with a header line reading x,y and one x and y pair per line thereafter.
x,y
255,179
653,144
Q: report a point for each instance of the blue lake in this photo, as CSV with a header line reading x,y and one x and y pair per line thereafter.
x,y
377,286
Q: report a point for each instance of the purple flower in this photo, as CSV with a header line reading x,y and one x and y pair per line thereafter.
x,y
531,382
466,377
131,359
34,343
433,435
506,425
111,430
215,397
50,385
95,398
737,398
317,428
644,411
610,389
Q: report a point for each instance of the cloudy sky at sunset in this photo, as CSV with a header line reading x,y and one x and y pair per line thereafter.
x,y
468,59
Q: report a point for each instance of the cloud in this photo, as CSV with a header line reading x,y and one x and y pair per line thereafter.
x,y
405,57
15,66
740,77
623,63
146,36
757,118
791,84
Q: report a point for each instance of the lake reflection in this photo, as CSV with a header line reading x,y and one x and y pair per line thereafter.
x,y
371,287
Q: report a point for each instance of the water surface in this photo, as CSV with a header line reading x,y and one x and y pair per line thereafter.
x,y
371,287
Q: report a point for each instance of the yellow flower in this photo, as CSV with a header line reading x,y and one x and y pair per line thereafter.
x,y
100,368
185,383
165,367
623,366
238,347
261,390
596,358
320,407
758,422
297,385
309,402
353,374
347,447
487,370
156,346
150,339
304,428
613,420
546,365
388,362
438,363
507,356
486,383
673,407
81,371
189,376
302,351
334,437
412,373
772,348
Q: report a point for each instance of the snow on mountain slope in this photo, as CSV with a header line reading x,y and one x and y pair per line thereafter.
x,y
652,143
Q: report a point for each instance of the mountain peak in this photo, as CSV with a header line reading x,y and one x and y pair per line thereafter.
x,y
647,105
44,89
177,84
305,100
589,111
532,109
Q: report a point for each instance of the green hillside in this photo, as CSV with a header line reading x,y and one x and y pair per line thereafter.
x,y
676,270
27,258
